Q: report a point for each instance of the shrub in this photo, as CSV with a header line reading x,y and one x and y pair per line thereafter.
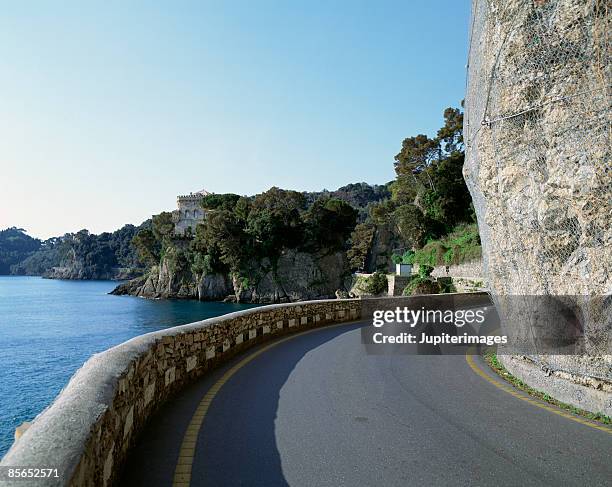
x,y
361,240
461,245
446,285
202,264
376,283
421,285
406,258
425,270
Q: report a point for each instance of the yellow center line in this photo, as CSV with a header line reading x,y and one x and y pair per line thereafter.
x,y
184,464
524,397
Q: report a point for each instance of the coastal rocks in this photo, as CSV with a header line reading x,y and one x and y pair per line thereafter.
x,y
72,267
214,287
79,272
297,276
130,288
75,267
163,284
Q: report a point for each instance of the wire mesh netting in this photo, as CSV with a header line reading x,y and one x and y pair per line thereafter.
x,y
538,126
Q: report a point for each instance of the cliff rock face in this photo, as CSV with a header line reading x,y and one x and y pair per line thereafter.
x,y
297,276
163,283
538,165
385,241
74,266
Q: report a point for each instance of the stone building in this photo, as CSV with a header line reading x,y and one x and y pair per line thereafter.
x,y
189,212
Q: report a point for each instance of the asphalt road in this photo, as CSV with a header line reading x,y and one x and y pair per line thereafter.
x,y
317,410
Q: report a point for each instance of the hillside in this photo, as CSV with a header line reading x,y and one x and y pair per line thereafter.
x,y
275,246
359,195
83,255
15,246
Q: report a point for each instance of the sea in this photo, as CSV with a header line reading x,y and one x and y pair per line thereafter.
x,y
49,328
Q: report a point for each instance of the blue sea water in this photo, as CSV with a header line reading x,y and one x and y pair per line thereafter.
x,y
49,328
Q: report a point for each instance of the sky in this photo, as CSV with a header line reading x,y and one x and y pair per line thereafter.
x,y
111,109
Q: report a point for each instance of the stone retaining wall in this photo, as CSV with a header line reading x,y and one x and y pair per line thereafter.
x,y
580,391
88,430
472,270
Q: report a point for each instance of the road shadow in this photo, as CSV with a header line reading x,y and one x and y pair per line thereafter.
x,y
237,444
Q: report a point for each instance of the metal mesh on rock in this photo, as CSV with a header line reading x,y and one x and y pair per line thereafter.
x,y
538,126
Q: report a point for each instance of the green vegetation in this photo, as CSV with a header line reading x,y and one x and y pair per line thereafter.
x,y
147,242
361,243
328,224
244,237
15,246
361,196
375,284
406,258
422,283
423,217
491,358
240,235
429,215
90,256
459,246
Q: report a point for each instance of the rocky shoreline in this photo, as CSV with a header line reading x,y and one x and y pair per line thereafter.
x,y
297,276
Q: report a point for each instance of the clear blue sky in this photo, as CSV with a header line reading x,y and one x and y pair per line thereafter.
x,y
110,110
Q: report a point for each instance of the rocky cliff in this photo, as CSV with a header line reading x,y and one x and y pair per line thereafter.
x,y
384,242
83,255
163,283
296,276
76,266
537,166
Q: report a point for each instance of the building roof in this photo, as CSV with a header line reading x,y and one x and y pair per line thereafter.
x,y
196,195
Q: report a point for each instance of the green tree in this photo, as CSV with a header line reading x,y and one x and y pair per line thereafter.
x,y
451,134
274,221
416,155
361,243
220,201
429,176
163,226
147,247
412,225
381,213
329,222
223,239
15,246
242,209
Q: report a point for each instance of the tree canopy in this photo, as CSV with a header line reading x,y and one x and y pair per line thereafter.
x,y
15,246
429,197
240,230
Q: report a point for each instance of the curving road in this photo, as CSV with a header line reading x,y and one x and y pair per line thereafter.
x,y
316,410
